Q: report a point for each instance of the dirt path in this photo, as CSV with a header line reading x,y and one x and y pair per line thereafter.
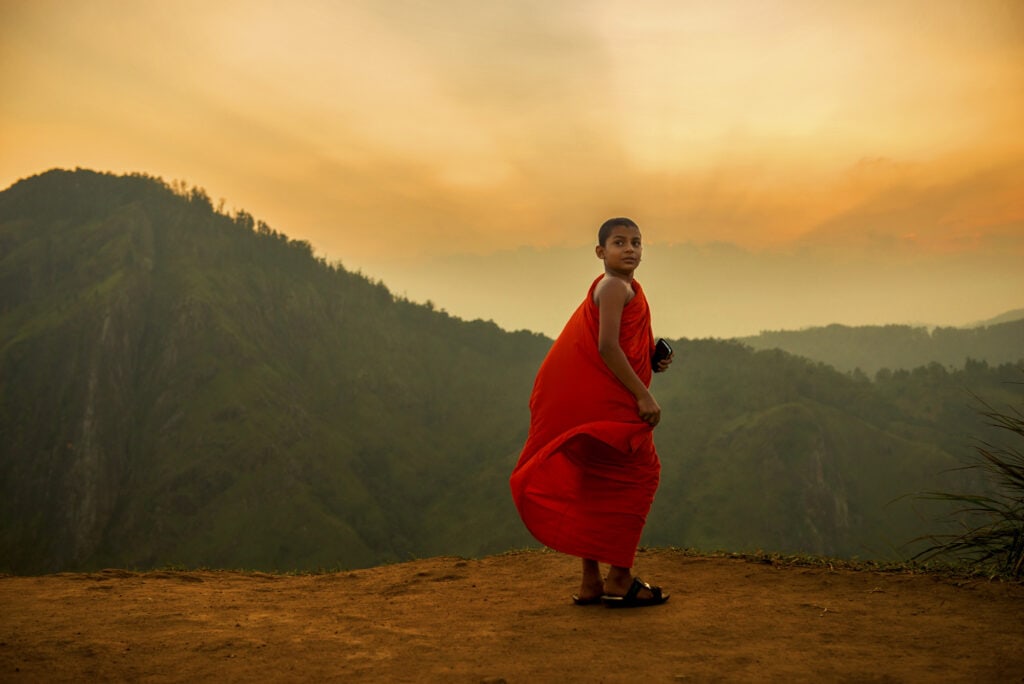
x,y
510,618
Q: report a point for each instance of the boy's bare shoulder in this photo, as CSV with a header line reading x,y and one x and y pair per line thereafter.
x,y
614,287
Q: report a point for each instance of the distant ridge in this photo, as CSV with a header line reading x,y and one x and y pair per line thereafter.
x,y
1008,317
875,347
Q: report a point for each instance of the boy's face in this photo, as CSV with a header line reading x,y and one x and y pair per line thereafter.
x,y
622,250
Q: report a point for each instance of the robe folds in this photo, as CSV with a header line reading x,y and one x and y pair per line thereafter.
x,y
588,472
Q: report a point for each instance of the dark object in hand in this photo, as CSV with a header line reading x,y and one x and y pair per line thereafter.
x,y
662,350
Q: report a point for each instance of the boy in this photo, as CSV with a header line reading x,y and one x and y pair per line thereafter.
x,y
587,475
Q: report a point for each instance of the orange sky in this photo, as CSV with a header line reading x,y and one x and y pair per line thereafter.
x,y
791,163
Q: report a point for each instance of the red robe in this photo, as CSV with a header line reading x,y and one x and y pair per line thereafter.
x,y
587,475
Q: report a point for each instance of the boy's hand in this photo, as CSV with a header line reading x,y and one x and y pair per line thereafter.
x,y
665,363
649,410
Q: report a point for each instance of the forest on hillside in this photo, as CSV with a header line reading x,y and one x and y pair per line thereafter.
x,y
182,386
873,348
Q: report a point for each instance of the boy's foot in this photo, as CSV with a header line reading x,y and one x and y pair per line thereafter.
x,y
639,594
590,594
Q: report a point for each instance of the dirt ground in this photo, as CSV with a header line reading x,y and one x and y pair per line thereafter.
x,y
510,618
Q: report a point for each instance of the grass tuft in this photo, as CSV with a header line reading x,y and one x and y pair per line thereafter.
x,y
991,534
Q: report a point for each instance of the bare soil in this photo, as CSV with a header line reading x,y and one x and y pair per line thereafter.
x,y
510,618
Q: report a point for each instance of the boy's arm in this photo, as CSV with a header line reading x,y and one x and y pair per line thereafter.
x,y
611,300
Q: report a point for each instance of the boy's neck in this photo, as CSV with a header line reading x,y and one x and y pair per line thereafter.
x,y
626,276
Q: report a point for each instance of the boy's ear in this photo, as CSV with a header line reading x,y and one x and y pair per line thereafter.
x,y
599,250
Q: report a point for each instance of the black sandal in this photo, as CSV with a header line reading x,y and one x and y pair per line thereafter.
x,y
631,600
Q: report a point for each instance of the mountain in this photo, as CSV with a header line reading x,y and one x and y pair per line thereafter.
x,y
179,386
1007,317
873,348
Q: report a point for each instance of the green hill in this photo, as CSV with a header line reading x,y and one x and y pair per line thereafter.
x,y
872,348
179,386
772,452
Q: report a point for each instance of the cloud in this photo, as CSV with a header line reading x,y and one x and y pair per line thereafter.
x,y
904,207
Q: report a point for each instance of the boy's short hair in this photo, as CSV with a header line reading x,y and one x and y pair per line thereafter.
x,y
611,224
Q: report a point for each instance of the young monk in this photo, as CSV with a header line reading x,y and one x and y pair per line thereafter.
x,y
587,475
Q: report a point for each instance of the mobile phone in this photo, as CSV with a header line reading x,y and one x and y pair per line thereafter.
x,y
662,350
